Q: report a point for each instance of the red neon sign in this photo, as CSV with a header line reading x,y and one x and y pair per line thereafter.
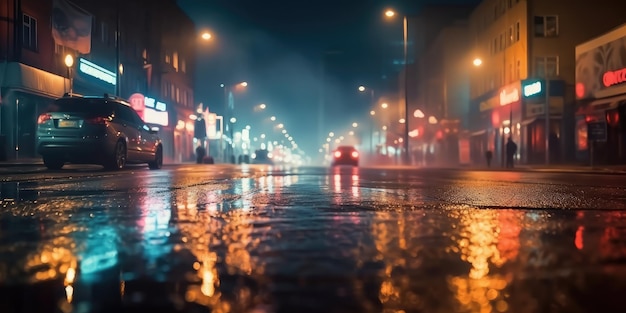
x,y
611,78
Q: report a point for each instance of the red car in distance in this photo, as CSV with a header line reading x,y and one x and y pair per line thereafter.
x,y
345,155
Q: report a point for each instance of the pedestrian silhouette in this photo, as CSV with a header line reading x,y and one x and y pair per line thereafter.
x,y
200,153
511,149
488,156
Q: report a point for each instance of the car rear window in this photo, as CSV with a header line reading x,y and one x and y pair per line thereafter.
x,y
91,106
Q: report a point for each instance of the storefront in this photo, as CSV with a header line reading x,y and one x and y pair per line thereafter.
x,y
601,98
535,94
25,92
156,113
496,117
517,111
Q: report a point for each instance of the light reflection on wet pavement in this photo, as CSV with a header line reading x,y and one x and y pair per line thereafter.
x,y
316,241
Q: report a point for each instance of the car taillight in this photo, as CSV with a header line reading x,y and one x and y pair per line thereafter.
x,y
44,118
337,154
97,120
355,154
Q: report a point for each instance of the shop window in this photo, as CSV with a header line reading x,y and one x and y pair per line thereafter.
x,y
29,33
546,26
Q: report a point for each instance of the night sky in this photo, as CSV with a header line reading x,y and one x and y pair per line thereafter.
x,y
278,48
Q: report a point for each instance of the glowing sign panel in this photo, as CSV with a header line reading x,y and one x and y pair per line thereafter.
x,y
509,96
152,116
611,78
532,89
97,71
150,110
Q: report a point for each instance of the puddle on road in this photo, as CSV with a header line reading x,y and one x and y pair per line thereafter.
x,y
280,243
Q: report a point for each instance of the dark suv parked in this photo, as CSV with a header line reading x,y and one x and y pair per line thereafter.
x,y
96,130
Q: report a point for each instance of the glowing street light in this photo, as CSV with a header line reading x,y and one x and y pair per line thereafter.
x,y
206,36
405,133
384,105
477,62
361,88
69,62
262,106
372,112
355,124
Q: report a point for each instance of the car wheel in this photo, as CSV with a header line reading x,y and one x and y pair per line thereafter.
x,y
158,160
53,163
118,160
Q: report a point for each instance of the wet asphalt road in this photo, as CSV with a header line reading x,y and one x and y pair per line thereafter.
x,y
220,238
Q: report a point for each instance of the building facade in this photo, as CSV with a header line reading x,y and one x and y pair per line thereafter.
x,y
444,83
423,30
527,53
601,94
118,49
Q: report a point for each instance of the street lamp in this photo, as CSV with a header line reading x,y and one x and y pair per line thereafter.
x,y
206,36
405,135
69,62
477,62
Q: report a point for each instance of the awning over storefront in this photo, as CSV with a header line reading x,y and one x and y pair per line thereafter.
x,y
26,78
599,105
478,133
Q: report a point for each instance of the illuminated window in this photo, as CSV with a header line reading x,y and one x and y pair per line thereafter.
x,y
183,66
511,38
547,66
175,60
546,26
168,59
29,33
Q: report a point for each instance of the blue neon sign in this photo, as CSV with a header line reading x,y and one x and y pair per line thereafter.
x,y
97,71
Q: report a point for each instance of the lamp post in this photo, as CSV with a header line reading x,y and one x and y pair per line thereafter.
x,y
405,135
69,62
229,106
372,100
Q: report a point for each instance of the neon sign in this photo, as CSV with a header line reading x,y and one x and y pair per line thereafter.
x,y
509,97
532,89
611,78
95,70
157,105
